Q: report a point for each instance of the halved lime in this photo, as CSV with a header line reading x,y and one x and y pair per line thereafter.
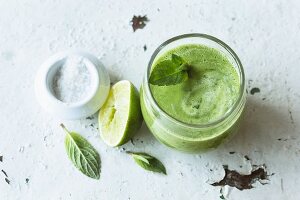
x,y
120,117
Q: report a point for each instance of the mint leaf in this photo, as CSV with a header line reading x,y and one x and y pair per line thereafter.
x,y
82,154
169,72
177,59
148,162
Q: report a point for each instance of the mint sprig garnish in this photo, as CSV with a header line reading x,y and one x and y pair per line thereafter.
x,y
148,162
170,72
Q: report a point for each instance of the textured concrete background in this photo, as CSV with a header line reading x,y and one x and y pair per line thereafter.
x,y
265,35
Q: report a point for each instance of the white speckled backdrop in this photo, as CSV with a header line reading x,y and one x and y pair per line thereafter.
x,y
265,35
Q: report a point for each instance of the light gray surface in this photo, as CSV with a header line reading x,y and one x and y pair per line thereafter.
x,y
265,35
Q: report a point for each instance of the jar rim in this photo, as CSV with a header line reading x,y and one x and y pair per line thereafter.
x,y
233,108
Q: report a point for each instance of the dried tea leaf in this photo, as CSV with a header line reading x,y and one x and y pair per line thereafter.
x,y
139,22
240,181
254,90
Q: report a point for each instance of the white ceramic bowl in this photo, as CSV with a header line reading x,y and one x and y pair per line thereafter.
x,y
100,85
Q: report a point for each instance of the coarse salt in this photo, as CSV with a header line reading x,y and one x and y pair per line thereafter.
x,y
72,80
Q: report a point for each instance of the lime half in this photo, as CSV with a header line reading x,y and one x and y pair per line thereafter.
x,y
120,117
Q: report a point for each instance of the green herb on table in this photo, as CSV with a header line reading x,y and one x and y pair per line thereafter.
x,y
148,162
82,154
170,72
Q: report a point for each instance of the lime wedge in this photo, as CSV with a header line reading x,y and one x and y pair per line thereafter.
x,y
120,117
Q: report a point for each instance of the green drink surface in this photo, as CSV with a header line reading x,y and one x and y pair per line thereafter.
x,y
210,91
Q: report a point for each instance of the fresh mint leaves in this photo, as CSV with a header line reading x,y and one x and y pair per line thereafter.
x,y
82,154
169,72
148,162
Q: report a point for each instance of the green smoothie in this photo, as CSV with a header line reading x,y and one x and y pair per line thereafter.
x,y
204,109
210,91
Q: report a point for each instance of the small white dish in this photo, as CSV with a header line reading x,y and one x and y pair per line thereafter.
x,y
100,85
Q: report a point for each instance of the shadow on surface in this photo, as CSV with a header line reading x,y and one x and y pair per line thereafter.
x,y
262,127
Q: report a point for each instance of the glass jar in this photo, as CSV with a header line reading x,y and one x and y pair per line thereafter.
x,y
192,137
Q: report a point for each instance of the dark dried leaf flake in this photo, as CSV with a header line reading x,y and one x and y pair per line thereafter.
x,y
1,158
282,139
246,157
240,181
145,48
27,180
139,22
131,140
4,172
7,181
232,152
254,90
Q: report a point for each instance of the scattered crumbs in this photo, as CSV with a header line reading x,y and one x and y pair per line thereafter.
x,y
281,139
131,140
1,158
211,170
90,118
232,152
4,173
45,166
263,98
7,181
246,157
240,181
222,196
254,90
21,149
27,180
291,116
139,22
145,48
123,149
